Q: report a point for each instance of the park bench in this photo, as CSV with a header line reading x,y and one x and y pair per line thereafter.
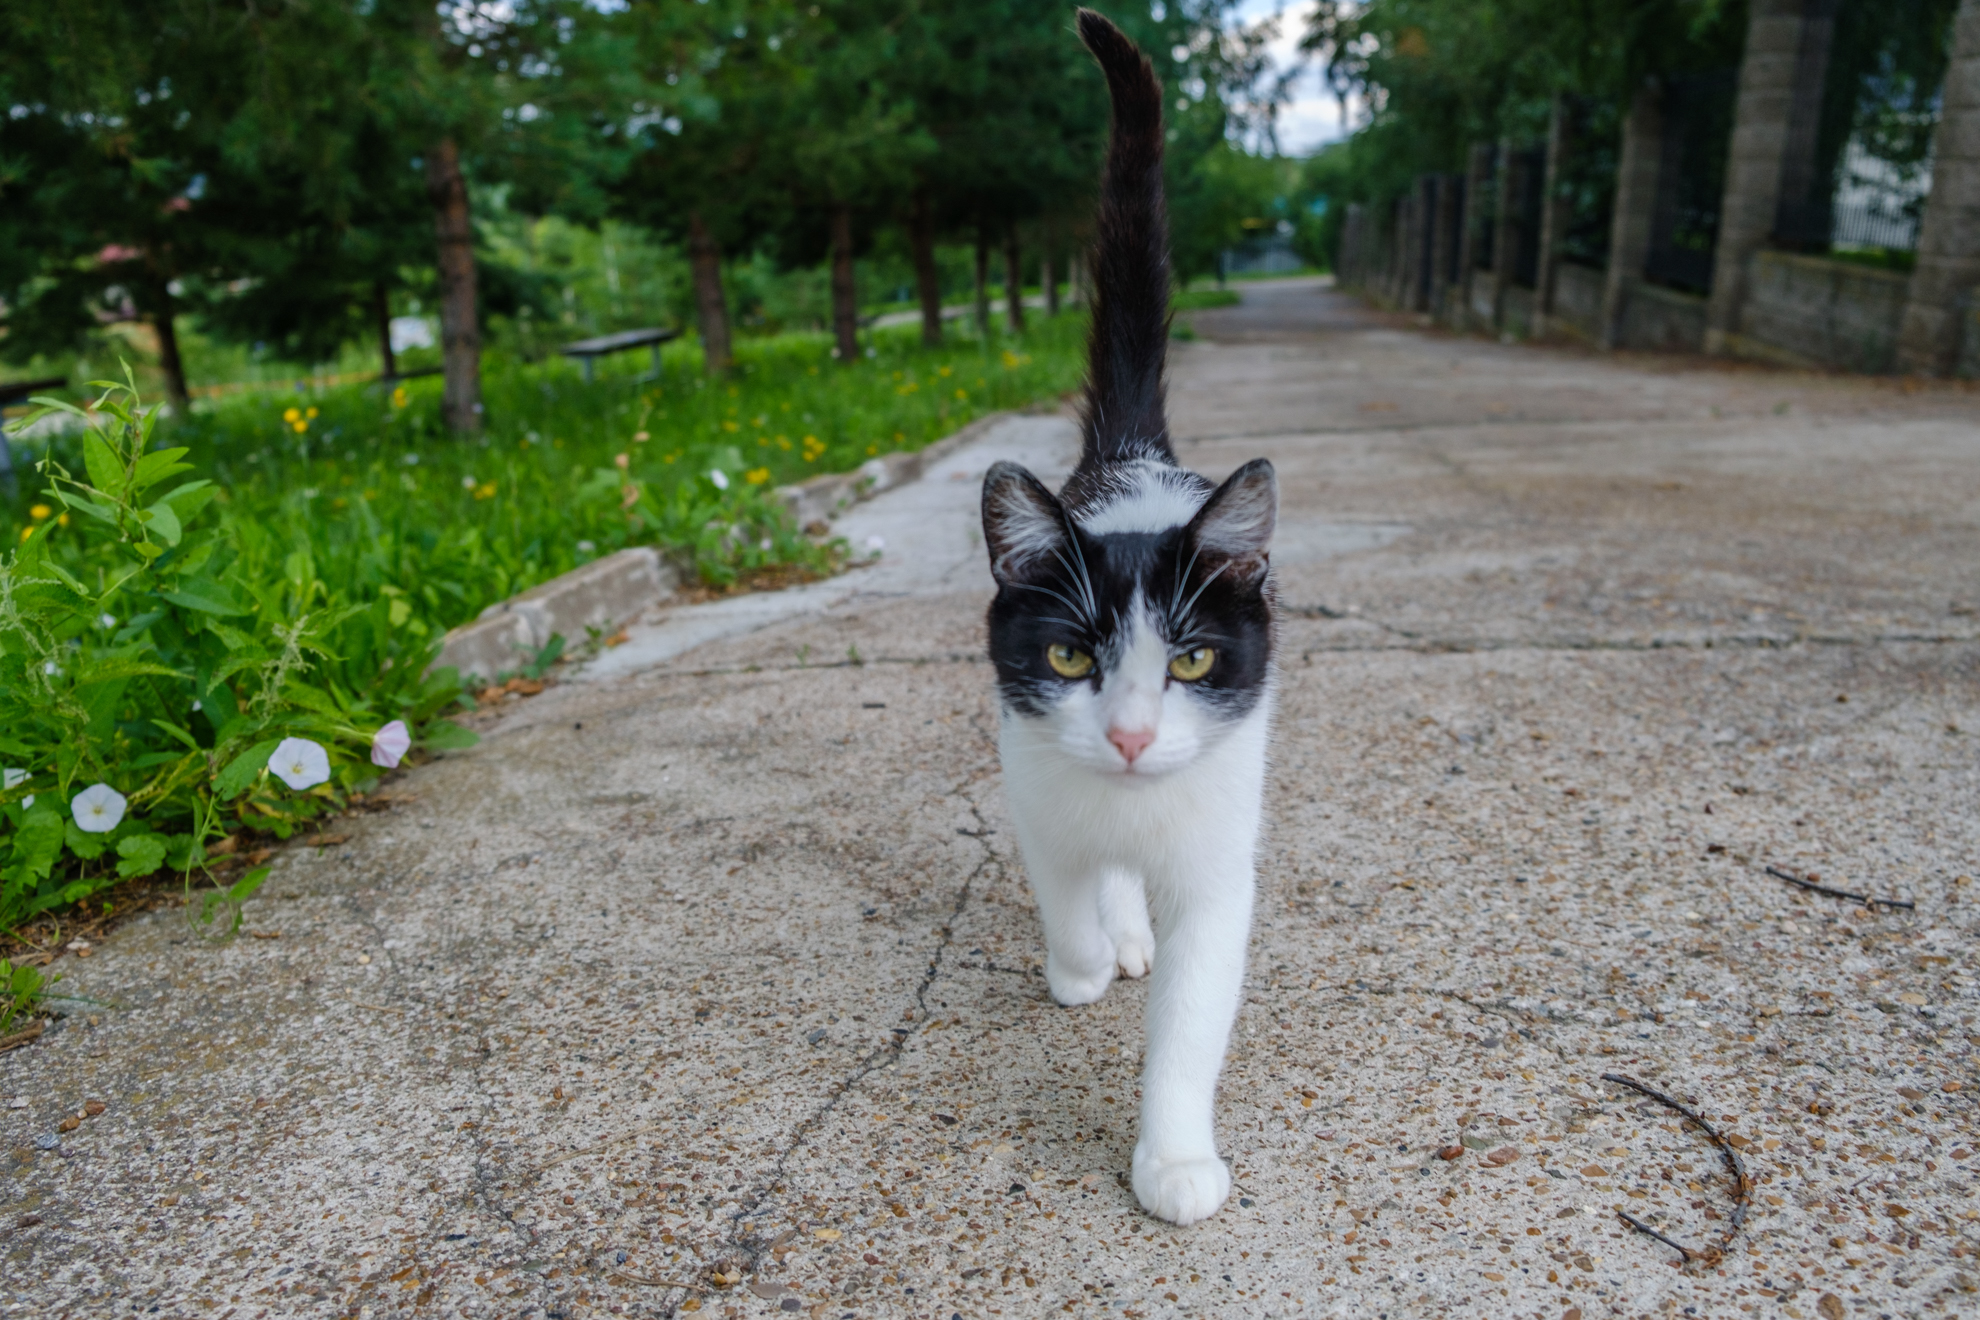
x,y
588,351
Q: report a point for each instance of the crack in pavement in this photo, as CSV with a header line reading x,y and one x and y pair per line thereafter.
x,y
751,1245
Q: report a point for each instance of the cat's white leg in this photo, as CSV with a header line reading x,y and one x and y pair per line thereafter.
x,y
1124,917
1192,1001
1079,956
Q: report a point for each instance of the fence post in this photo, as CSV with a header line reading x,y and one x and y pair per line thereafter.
x,y
1443,241
1949,234
1505,235
1756,154
1553,214
1477,167
1635,206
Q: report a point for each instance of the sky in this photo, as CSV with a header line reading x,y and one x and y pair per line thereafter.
x,y
1313,117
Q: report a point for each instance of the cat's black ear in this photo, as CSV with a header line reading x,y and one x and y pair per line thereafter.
x,y
1235,525
1023,523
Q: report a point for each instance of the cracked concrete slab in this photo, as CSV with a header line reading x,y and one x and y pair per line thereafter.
x,y
712,985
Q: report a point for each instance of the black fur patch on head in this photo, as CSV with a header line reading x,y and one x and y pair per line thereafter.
x,y
1202,585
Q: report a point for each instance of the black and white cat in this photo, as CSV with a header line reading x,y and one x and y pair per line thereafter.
x,y
1132,634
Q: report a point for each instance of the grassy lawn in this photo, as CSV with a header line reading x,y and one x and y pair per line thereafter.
x,y
217,627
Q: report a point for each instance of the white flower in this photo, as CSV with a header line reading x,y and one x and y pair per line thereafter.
x,y
876,543
719,477
12,778
410,460
467,482
585,547
199,705
27,802
300,763
97,809
108,620
51,668
389,744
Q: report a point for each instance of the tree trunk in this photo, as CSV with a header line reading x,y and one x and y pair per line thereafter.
x,y
1050,280
1013,280
982,283
169,362
460,330
713,309
845,307
381,305
928,283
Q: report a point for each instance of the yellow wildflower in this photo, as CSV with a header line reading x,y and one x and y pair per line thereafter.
x,y
300,426
62,520
485,491
962,394
39,512
290,414
757,476
311,414
1010,360
399,397
943,371
26,532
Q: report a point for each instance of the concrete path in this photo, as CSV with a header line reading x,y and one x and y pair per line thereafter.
x,y
713,984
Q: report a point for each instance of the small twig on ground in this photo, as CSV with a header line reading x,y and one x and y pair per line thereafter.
x,y
657,1283
1742,1184
1642,1227
21,1037
376,1008
1864,899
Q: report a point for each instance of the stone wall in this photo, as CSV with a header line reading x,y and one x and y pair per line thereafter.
x,y
1815,312
1654,317
1577,300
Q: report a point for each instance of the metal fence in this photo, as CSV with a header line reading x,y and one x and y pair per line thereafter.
x,y
1691,178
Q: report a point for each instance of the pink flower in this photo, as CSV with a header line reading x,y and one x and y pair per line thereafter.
x,y
390,744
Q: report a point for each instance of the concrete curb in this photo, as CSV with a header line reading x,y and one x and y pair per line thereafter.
x,y
607,591
824,498
619,587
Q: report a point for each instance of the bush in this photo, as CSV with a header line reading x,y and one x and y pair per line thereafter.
x,y
149,675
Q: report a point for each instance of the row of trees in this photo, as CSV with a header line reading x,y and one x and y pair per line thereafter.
x,y
283,170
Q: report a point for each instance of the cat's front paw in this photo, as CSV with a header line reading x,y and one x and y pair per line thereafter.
x,y
1134,956
1072,988
1181,1191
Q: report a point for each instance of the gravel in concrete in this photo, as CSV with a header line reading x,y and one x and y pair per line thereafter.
x,y
714,985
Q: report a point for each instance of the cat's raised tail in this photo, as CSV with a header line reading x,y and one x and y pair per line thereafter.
x,y
1124,417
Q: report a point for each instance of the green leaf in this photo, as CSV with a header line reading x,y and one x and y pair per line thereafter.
x,y
447,736
164,523
154,468
189,499
105,472
87,846
178,733
142,854
206,596
244,769
111,671
38,842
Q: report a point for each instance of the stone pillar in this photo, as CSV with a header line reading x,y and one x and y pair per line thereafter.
x,y
1636,204
1755,157
1505,237
1477,169
1443,239
1553,214
1948,266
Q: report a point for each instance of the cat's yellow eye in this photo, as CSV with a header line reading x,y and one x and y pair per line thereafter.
x,y
1192,665
1067,661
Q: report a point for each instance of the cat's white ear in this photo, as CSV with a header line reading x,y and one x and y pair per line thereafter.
x,y
1236,523
1023,523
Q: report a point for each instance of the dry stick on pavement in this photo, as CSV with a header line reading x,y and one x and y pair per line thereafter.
x,y
1864,899
21,1037
1742,1184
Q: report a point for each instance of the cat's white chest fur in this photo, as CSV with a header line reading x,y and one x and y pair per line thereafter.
x,y
1102,851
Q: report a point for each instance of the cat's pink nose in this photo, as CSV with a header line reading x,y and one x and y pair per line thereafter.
x,y
1131,742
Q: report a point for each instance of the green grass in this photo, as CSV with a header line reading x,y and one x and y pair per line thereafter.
x,y
383,501
1197,300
